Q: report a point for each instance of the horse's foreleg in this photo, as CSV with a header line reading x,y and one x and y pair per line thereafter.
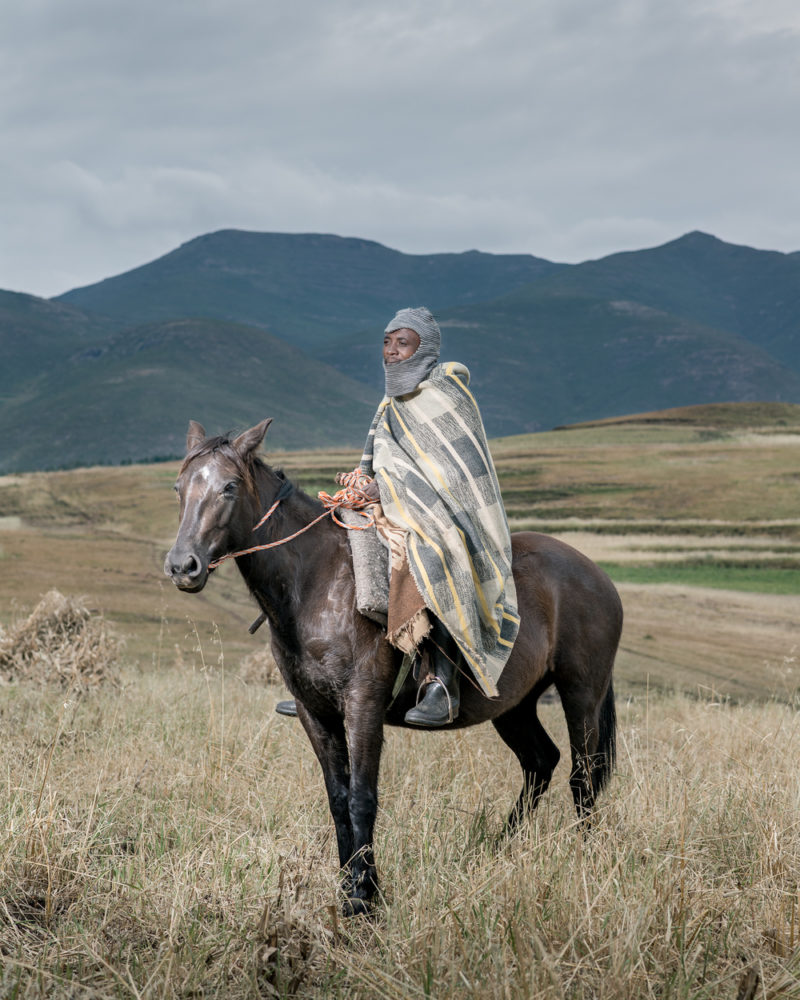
x,y
330,745
365,739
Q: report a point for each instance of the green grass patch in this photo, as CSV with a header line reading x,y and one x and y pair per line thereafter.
x,y
565,523
762,579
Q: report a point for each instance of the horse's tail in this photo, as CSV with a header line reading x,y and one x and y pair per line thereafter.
x,y
606,754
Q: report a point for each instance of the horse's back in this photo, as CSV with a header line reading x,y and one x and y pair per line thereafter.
x,y
551,555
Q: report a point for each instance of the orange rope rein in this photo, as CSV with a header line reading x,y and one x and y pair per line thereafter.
x,y
352,497
269,514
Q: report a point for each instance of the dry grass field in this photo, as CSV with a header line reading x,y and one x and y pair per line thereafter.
x,y
169,837
165,834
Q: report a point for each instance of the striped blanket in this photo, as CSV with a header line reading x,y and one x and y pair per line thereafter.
x,y
429,454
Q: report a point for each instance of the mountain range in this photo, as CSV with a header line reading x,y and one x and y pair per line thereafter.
x,y
234,326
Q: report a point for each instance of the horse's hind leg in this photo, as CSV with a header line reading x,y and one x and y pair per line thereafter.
x,y
521,730
591,723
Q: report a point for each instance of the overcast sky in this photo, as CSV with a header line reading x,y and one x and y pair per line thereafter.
x,y
564,128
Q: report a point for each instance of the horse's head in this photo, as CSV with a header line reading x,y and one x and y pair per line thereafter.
x,y
219,504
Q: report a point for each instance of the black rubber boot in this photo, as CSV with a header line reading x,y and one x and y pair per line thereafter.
x,y
286,708
439,704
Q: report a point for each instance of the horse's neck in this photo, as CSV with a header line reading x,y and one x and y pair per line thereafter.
x,y
294,511
280,577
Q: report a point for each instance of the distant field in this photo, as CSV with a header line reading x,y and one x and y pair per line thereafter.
x,y
701,501
706,496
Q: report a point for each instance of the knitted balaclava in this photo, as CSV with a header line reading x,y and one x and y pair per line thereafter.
x,y
405,376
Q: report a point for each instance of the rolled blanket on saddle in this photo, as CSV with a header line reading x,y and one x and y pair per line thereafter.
x,y
429,455
370,567
385,588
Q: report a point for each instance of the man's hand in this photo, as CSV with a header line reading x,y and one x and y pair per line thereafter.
x,y
371,489
360,481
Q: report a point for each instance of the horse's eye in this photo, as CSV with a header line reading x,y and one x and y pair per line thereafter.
x,y
229,489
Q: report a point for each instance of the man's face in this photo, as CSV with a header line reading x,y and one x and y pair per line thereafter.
x,y
399,345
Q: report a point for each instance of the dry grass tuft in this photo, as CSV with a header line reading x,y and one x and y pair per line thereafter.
x,y
292,940
260,668
62,643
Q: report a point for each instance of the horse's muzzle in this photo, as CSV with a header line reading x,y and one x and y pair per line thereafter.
x,y
186,570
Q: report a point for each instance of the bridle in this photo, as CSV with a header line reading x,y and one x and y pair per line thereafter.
x,y
352,497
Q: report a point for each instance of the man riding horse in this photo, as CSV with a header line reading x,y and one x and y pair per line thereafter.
x,y
443,518
452,599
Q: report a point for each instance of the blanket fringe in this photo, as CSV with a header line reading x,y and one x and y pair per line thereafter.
x,y
411,633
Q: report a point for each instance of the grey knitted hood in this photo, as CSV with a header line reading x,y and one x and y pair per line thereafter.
x,y
404,376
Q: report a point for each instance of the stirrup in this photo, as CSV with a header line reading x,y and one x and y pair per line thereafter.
x,y
417,716
422,690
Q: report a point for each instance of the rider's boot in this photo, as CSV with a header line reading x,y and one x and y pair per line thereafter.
x,y
286,708
439,704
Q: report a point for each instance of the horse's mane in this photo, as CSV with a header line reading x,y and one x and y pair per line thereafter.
x,y
246,469
223,445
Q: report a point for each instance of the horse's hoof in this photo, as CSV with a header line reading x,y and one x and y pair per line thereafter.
x,y
355,907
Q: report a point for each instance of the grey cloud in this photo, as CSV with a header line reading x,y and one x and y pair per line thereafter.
x,y
561,128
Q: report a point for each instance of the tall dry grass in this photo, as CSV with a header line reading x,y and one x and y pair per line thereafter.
x,y
170,838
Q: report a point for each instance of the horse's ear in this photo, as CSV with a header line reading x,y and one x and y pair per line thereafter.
x,y
248,441
195,436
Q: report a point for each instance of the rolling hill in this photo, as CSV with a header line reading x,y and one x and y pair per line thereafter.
x,y
130,397
705,490
542,358
309,289
754,293
37,335
233,326
554,359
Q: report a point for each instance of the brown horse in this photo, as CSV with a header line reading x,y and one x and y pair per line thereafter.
x,y
340,668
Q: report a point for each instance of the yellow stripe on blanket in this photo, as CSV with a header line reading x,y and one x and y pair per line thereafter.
x,y
436,548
